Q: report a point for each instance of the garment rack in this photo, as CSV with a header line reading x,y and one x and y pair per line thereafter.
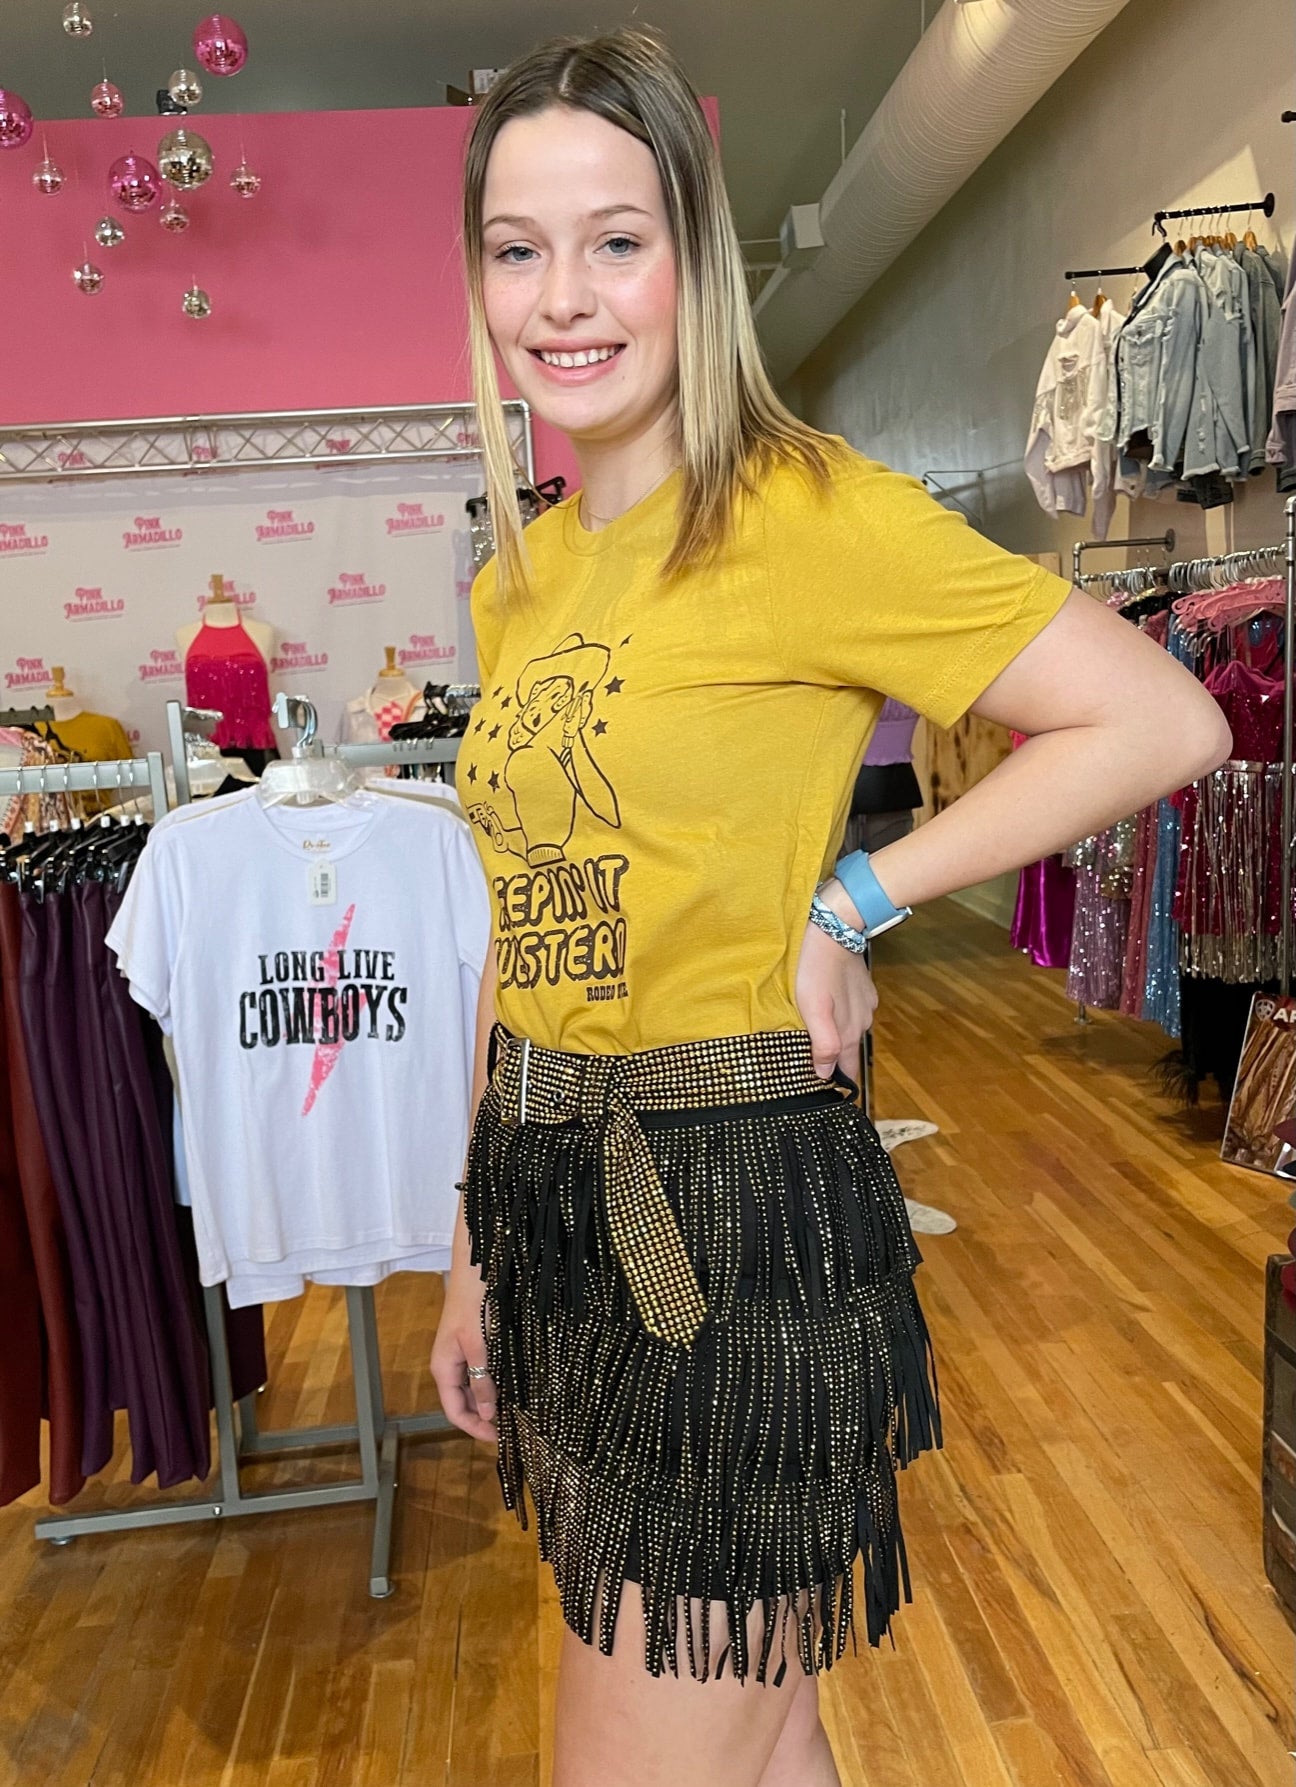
x,y
115,775
376,1434
1165,541
25,716
1197,573
1264,206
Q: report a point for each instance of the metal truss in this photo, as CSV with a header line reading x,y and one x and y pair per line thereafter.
x,y
146,447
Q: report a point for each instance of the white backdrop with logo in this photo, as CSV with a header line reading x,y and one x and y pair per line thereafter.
x,y
340,560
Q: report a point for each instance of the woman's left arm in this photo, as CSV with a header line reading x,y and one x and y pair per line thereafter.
x,y
1114,723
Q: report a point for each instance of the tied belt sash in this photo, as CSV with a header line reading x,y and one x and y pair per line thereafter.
x,y
539,1085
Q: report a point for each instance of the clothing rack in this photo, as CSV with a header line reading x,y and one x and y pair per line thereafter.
x,y
1103,273
1202,573
1265,206
25,716
376,1434
1165,541
116,775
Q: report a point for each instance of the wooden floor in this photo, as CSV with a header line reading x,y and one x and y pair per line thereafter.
x,y
1091,1609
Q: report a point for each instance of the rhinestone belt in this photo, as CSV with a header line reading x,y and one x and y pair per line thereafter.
x,y
538,1085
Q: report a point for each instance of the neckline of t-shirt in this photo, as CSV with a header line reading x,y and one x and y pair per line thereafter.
x,y
353,823
580,540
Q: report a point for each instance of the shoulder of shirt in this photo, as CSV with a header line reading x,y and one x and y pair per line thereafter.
x,y
179,817
790,488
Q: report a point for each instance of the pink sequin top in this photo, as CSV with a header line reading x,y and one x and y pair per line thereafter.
x,y
225,671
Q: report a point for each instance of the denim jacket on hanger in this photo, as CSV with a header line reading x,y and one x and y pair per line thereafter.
x,y
1228,353
1164,391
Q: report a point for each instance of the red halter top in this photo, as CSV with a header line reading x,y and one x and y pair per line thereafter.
x,y
225,671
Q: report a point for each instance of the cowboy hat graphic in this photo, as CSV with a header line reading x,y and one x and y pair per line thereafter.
x,y
550,766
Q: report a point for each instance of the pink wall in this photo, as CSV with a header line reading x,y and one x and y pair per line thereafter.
x,y
338,286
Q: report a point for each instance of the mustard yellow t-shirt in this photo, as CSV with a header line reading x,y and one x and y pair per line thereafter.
x,y
658,775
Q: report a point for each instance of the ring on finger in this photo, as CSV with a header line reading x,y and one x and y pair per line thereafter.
x,y
478,1370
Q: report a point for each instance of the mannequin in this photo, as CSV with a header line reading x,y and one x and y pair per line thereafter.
x,y
95,738
227,661
221,610
391,698
65,704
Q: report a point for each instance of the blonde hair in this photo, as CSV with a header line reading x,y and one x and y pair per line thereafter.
x,y
733,426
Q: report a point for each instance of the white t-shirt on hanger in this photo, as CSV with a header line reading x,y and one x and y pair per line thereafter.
x,y
317,970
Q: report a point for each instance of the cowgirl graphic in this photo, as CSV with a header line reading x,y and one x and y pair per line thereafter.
x,y
550,765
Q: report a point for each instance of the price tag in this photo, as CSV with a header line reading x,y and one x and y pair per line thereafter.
x,y
321,883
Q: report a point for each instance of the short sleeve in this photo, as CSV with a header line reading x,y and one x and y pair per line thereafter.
x,y
875,585
144,933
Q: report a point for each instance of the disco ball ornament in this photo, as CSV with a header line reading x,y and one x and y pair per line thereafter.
x,y
109,233
244,182
48,177
196,302
185,159
134,182
185,89
76,20
15,121
88,278
220,45
174,217
106,100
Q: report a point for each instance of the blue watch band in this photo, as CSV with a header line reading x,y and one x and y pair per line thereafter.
x,y
867,894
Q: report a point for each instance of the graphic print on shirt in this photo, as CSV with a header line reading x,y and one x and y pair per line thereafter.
x,y
558,915
326,998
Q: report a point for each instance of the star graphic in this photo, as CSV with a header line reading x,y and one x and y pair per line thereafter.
x,y
479,725
493,733
627,639
494,781
507,701
472,772
614,687
600,727
496,691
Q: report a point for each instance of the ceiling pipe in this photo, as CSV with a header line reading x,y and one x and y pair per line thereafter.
x,y
972,78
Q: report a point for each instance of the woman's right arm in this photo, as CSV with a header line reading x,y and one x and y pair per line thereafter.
x,y
468,1402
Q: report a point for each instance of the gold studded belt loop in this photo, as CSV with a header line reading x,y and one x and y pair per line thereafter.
x,y
537,1085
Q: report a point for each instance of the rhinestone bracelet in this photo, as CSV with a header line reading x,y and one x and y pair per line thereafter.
x,y
837,928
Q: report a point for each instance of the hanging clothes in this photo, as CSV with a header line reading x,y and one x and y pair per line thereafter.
x,y
1064,454
88,1099
225,671
336,1017
1280,448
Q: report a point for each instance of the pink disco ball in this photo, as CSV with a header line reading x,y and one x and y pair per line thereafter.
x,y
15,121
221,45
134,182
106,100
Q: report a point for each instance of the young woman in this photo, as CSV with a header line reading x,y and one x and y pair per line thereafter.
x,y
681,1303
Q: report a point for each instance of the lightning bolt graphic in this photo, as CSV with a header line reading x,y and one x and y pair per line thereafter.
x,y
326,1053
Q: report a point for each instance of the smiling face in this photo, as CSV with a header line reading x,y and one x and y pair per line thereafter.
x,y
578,274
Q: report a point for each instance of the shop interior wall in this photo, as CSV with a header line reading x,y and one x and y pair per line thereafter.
x,y
1178,102
338,286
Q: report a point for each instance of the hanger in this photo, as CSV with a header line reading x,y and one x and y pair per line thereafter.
x,y
1100,298
308,778
1074,302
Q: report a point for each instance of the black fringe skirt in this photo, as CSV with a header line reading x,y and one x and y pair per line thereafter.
x,y
754,1465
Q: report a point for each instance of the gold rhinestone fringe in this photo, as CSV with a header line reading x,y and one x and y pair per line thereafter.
x,y
752,1467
